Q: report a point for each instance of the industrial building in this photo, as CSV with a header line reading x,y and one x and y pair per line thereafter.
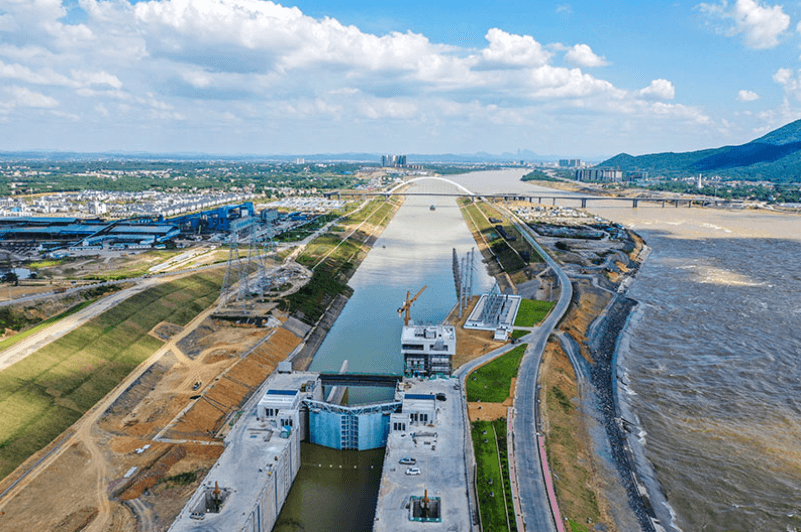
x,y
428,350
53,233
494,311
213,220
247,487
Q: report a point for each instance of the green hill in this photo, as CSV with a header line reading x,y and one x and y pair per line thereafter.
x,y
772,157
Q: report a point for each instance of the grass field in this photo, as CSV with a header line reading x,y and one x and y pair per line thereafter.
x,y
492,475
531,312
492,382
43,394
519,333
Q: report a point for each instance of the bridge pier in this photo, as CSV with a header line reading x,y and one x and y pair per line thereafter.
x,y
634,203
583,203
663,203
553,201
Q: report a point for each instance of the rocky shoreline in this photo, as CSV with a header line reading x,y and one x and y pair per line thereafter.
x,y
603,348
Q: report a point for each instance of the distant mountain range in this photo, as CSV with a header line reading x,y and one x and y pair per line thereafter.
x,y
773,157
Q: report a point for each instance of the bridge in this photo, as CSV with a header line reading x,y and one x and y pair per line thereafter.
x,y
581,199
360,379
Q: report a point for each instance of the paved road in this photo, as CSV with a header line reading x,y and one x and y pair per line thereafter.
x,y
533,497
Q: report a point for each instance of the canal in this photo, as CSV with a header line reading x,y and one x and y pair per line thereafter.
x,y
338,490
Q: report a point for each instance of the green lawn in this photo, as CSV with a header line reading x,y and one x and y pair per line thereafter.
x,y
519,333
492,475
43,394
492,382
531,312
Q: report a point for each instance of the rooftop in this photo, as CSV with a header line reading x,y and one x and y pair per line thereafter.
x,y
252,447
439,451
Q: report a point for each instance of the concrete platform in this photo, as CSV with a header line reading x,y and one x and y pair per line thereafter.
x,y
439,449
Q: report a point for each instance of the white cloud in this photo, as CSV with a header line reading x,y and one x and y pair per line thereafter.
x,y
790,82
659,89
747,96
761,25
23,97
521,50
582,55
782,76
261,65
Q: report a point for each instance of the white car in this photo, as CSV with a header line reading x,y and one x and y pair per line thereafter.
x,y
413,471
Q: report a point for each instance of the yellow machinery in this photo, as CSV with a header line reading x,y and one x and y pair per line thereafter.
x,y
408,305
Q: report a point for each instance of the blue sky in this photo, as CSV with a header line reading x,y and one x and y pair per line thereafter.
x,y
581,79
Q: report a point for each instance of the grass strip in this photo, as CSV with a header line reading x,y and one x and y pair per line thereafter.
x,y
492,382
492,475
531,312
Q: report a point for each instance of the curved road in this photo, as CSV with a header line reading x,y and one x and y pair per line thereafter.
x,y
534,503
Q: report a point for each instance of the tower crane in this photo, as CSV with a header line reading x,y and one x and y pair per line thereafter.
x,y
408,305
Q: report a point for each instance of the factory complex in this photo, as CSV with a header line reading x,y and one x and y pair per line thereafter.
x,y
61,235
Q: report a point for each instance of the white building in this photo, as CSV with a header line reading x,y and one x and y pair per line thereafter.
x,y
428,350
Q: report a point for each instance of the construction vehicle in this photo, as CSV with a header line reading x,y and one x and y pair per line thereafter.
x,y
408,305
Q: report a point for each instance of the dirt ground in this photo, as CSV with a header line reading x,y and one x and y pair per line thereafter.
x,y
470,344
582,491
85,487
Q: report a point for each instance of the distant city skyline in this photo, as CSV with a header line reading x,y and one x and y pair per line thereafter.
x,y
570,79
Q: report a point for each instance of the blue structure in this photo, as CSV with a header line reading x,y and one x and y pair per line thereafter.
x,y
213,220
55,232
358,427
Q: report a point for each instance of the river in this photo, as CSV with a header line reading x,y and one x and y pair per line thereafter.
x,y
710,360
338,490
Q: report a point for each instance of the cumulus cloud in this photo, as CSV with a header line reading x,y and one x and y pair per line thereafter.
x,y
507,49
582,55
257,62
790,82
760,25
747,96
660,89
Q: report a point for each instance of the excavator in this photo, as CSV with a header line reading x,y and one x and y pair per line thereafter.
x,y
408,305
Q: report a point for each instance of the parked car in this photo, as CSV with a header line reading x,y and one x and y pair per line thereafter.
x,y
407,461
413,471
441,397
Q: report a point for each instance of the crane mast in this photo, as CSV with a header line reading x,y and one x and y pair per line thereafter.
x,y
407,305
